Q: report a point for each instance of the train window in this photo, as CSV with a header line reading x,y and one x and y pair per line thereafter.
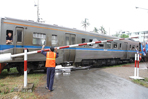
x,y
54,39
83,40
19,35
108,45
120,45
39,38
137,46
9,36
90,40
130,47
67,40
133,48
73,40
101,45
115,45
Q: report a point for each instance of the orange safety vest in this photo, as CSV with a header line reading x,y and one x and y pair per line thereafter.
x,y
50,59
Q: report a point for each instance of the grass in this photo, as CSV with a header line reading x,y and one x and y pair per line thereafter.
x,y
12,79
141,82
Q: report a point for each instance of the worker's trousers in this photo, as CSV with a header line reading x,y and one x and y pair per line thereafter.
x,y
50,77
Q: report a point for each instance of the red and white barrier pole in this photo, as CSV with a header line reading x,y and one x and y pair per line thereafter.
x,y
135,65
138,66
136,70
25,67
8,57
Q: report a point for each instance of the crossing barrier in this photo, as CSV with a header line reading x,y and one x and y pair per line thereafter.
x,y
136,69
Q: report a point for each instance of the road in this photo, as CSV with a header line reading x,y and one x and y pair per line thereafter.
x,y
92,84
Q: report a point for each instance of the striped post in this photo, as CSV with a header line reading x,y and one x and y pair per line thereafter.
x,y
25,67
138,66
135,65
136,70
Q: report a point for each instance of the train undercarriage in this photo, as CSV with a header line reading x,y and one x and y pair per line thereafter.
x,y
87,62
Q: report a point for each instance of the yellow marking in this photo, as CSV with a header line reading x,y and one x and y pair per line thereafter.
x,y
52,29
51,58
54,55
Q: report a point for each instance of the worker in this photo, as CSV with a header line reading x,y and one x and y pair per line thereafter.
x,y
50,64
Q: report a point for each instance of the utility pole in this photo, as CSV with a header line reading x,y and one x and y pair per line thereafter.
x,y
38,14
38,17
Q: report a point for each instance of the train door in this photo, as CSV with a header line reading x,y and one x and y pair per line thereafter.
x,y
69,53
19,40
126,49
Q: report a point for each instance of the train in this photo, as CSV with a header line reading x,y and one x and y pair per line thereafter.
x,y
32,35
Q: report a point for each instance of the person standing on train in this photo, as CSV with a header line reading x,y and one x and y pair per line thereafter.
x,y
9,38
50,64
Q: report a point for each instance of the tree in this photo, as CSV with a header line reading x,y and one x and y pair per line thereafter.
x,y
85,23
102,29
95,30
124,36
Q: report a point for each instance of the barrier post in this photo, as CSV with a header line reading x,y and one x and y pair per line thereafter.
x,y
25,67
138,67
135,65
136,70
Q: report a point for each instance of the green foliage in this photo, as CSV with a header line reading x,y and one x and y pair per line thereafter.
x,y
124,36
1,85
12,90
85,23
95,30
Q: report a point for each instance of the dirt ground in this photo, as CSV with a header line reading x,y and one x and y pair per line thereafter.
x,y
128,70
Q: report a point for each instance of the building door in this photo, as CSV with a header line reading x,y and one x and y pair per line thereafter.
x,y
19,41
69,53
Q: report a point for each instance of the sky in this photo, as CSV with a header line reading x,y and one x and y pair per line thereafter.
x,y
113,15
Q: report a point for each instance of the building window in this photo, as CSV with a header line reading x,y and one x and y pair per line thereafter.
x,y
115,45
9,37
108,45
39,38
54,39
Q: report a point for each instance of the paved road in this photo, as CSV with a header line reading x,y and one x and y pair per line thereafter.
x,y
93,84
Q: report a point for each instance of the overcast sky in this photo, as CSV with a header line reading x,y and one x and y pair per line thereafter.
x,y
114,15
